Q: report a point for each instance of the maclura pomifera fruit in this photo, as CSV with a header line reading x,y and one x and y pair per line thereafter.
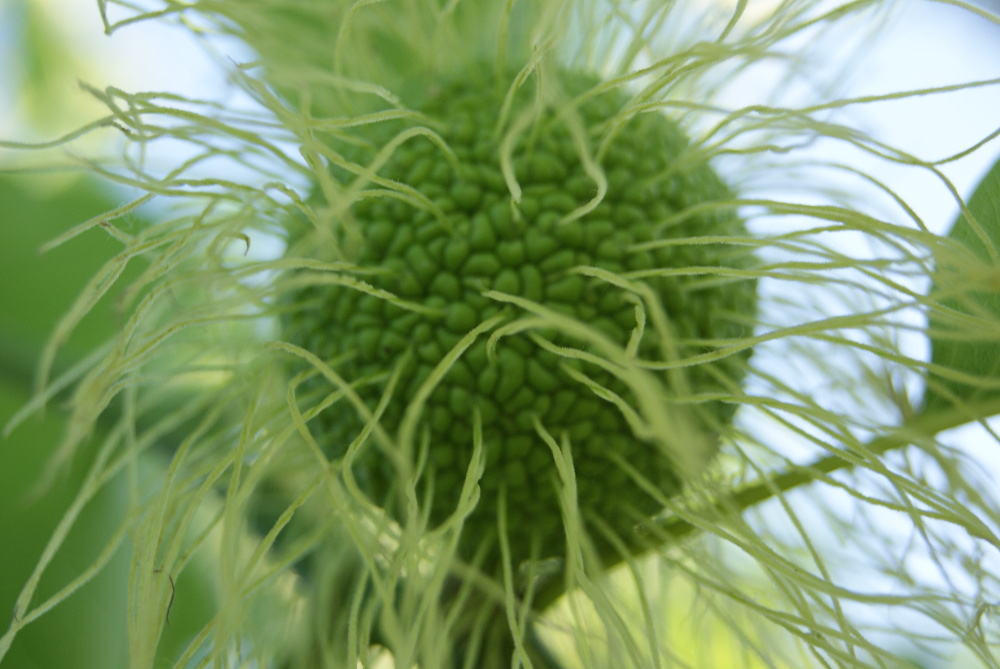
x,y
504,204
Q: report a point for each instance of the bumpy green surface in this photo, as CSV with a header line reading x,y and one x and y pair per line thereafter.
x,y
530,253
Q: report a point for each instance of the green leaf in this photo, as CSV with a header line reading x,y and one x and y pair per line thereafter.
x,y
964,317
39,288
87,628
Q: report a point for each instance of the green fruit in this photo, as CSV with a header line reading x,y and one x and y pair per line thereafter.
x,y
529,250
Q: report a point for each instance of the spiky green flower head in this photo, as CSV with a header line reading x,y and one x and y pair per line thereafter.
x,y
527,298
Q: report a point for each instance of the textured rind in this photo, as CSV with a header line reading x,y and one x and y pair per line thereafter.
x,y
486,244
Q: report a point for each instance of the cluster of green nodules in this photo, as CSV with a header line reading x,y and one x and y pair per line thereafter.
x,y
529,249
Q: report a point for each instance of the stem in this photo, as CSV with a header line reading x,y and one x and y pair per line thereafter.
x,y
668,531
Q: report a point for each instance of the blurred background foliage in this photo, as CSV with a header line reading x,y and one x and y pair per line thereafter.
x,y
41,99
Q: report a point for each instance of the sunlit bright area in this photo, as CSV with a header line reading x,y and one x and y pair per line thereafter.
x,y
712,601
